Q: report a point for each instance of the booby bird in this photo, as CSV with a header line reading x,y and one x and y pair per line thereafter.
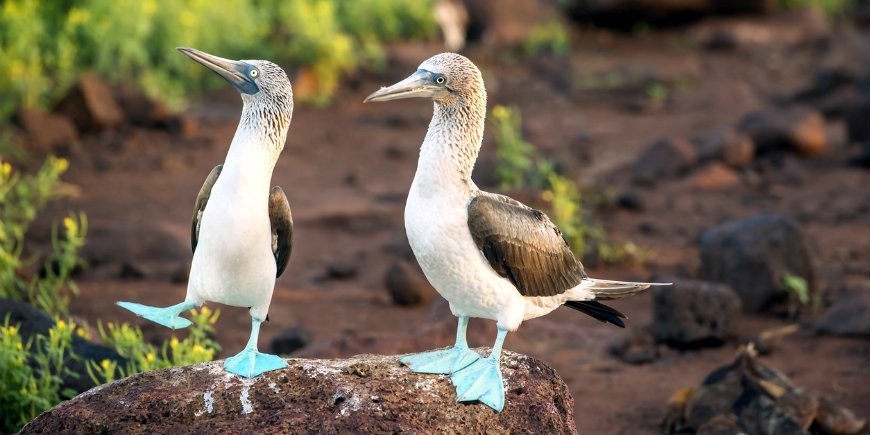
x,y
489,255
241,233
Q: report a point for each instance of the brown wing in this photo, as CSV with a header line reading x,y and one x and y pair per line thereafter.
x,y
523,245
282,227
201,201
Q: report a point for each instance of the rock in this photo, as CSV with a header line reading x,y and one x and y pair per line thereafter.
x,y
625,14
692,314
407,285
139,109
799,130
630,201
182,125
850,316
91,105
362,394
664,158
45,131
33,321
132,271
638,348
727,145
795,27
507,23
756,398
754,255
833,419
341,269
857,117
291,340
862,158
714,176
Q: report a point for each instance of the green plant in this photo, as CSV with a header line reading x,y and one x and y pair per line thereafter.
x,y
657,92
21,198
142,356
30,373
517,162
830,7
799,290
547,38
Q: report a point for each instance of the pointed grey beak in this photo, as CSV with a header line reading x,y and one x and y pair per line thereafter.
x,y
420,84
232,71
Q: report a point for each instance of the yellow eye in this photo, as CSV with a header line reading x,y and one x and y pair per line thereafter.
x,y
253,73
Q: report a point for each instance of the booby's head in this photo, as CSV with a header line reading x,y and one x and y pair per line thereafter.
x,y
445,78
264,86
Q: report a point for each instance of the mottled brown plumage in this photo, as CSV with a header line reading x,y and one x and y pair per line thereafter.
x,y
523,245
279,216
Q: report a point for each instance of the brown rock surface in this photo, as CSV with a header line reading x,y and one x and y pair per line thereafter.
x,y
91,105
362,394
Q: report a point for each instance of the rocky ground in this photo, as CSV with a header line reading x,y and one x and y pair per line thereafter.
x,y
755,117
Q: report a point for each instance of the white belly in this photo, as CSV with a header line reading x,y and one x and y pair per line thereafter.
x,y
233,263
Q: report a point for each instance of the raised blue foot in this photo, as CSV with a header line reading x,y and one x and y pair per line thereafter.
x,y
250,363
480,381
443,362
167,317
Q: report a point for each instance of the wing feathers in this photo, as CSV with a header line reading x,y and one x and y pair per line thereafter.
x,y
201,201
282,228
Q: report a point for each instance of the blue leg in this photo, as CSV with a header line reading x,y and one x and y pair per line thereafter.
x,y
444,361
482,380
167,317
249,362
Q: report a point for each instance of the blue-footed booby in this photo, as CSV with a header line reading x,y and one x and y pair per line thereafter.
x,y
241,233
489,255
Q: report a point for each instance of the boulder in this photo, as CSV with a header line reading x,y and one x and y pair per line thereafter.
x,y
798,129
291,340
45,131
362,394
850,317
754,256
91,105
857,117
800,26
757,399
727,145
664,158
692,314
138,108
33,321
715,176
407,285
639,347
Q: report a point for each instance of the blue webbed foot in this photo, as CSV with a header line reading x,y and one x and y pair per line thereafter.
x,y
480,381
167,317
250,363
442,362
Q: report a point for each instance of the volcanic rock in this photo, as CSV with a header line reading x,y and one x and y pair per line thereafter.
x,y
291,340
45,131
693,313
668,157
801,130
754,255
715,176
850,316
407,285
728,145
91,105
362,394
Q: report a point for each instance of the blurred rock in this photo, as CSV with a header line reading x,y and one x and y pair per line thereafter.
x,y
407,285
33,321
630,201
291,340
139,109
756,398
91,105
850,316
692,314
833,419
794,27
664,158
727,145
46,131
625,14
638,348
714,176
507,23
133,271
754,255
857,117
862,159
181,274
800,130
182,125
363,394
341,269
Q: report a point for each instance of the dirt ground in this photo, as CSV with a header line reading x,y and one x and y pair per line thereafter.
x,y
347,168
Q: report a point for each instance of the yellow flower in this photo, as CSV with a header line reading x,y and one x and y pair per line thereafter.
x,y
149,7
61,325
5,169
105,364
12,330
206,311
149,357
69,224
61,164
198,349
173,343
81,332
19,346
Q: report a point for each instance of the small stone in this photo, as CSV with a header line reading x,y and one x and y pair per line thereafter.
x,y
140,109
800,130
754,256
638,348
182,125
630,201
664,158
132,271
857,118
692,314
45,131
714,176
407,285
849,317
341,270
291,340
728,145
834,419
91,105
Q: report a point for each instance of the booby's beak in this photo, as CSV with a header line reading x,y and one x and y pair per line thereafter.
x,y
420,84
236,72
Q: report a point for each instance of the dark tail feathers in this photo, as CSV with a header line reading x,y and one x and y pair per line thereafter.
x,y
599,311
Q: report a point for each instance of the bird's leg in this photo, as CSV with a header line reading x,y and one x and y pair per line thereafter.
x,y
444,361
482,380
250,362
167,317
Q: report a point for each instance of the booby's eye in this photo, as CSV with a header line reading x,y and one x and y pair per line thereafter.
x,y
440,80
254,73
